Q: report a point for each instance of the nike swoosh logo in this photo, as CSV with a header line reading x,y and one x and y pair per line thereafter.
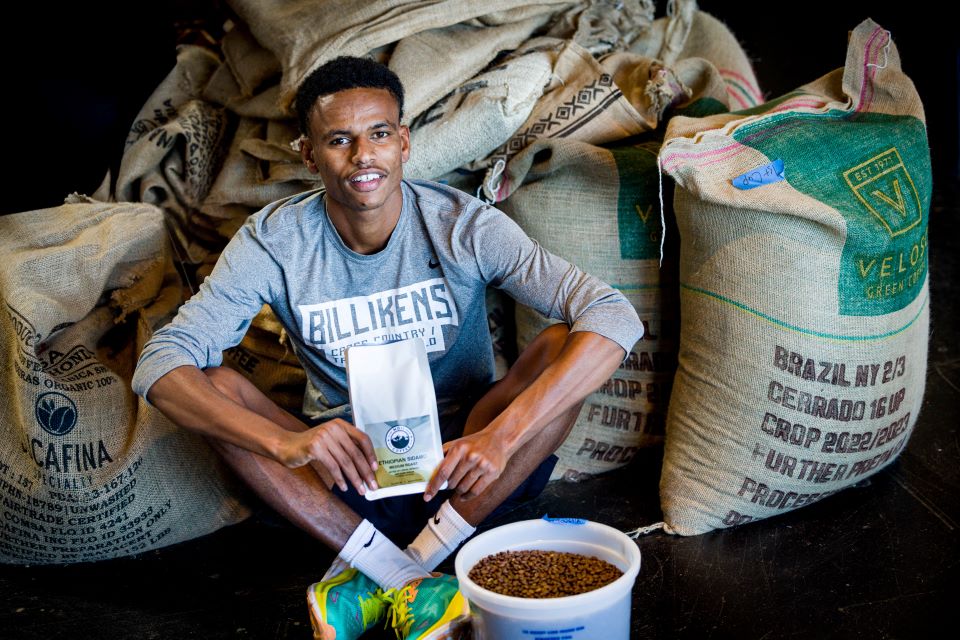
x,y
436,520
432,264
370,541
334,596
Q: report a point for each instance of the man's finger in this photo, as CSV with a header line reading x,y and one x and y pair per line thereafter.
x,y
467,487
323,473
458,472
363,440
442,474
324,457
357,461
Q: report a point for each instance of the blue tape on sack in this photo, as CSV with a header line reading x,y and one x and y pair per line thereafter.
x,y
564,520
767,174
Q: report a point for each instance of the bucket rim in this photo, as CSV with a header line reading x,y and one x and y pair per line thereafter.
x,y
618,588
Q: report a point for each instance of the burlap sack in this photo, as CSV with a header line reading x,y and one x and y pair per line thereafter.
x,y
88,470
603,26
244,185
688,33
265,357
582,102
174,147
804,300
475,118
599,209
304,34
455,54
247,81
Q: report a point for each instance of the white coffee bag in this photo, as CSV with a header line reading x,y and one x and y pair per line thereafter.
x,y
391,392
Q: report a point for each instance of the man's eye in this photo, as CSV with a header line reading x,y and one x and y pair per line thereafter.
x,y
339,141
381,134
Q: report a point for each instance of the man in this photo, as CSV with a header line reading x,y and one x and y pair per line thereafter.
x,y
342,267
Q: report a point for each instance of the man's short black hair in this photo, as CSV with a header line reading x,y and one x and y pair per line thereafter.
x,y
345,72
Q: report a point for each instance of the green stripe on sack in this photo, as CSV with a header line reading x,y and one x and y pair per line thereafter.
x,y
785,325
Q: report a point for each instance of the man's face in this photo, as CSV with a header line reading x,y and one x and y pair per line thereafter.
x,y
358,147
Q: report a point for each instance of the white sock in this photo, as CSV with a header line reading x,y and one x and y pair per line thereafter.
x,y
375,556
441,537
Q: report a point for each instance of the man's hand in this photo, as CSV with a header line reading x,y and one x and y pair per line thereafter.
x,y
470,464
337,450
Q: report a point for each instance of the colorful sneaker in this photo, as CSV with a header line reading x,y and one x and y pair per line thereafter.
x,y
426,607
345,606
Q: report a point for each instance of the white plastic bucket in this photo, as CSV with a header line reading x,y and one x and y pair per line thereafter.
x,y
603,613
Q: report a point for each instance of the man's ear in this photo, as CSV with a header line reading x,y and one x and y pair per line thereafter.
x,y
306,154
404,142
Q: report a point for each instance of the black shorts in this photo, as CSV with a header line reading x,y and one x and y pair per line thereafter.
x,y
401,518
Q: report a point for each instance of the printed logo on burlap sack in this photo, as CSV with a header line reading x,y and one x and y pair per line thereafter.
x,y
885,187
56,413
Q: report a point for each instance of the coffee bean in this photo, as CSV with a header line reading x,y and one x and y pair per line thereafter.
x,y
542,574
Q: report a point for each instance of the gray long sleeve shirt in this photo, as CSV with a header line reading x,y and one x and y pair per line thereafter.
x,y
428,282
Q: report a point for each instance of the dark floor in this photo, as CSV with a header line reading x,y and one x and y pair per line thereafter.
x,y
877,561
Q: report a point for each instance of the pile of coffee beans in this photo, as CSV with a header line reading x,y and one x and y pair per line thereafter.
x,y
542,574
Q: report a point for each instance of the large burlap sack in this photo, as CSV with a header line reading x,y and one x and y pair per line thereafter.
x,y
173,149
599,209
88,470
304,34
804,300
480,115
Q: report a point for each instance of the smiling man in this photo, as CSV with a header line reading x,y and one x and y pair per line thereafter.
x,y
372,258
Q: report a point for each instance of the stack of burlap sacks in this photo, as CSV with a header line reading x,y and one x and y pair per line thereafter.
x,y
562,113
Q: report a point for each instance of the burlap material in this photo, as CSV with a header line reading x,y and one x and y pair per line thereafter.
x,y
265,357
582,102
244,183
454,54
247,81
90,471
688,33
283,161
304,34
804,298
599,209
174,147
603,26
475,118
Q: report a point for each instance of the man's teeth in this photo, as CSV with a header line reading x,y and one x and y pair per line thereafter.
x,y
367,177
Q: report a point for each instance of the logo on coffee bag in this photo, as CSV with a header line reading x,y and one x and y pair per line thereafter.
x,y
399,439
56,413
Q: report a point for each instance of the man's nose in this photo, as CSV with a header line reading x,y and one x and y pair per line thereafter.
x,y
362,151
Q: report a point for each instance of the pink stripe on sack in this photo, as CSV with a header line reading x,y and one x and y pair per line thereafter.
x,y
503,191
753,90
677,158
868,73
735,95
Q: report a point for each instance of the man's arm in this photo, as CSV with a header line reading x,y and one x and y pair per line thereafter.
x,y
188,397
473,462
